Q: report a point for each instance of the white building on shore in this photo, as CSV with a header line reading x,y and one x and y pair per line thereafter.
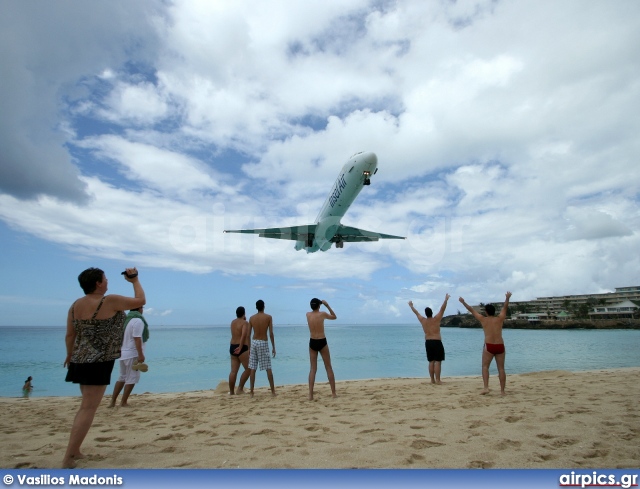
x,y
622,303
622,310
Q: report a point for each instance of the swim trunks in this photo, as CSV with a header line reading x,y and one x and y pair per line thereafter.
x,y
317,345
435,350
233,347
259,355
495,349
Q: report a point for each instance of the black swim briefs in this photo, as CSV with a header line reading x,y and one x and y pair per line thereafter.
x,y
232,348
317,345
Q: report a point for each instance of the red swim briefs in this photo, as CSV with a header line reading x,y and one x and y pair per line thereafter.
x,y
495,349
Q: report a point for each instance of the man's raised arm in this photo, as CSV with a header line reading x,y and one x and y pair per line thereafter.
x,y
443,307
472,310
505,307
414,310
331,315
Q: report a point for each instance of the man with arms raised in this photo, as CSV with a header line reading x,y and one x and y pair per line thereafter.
x,y
493,342
261,323
432,339
318,343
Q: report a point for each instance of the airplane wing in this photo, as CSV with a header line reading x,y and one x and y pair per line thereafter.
x,y
349,234
296,233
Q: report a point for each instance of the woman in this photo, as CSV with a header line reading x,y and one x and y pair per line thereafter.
x,y
95,325
27,387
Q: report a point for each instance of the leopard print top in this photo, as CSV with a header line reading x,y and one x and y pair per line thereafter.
x,y
98,340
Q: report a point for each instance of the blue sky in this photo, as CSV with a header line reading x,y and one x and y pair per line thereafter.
x,y
133,134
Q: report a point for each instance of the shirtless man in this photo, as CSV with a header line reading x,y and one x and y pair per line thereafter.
x,y
261,323
493,342
239,351
318,343
432,339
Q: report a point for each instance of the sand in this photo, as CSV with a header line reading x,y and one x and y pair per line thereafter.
x,y
551,419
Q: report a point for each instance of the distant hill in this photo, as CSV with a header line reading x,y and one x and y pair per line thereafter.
x,y
468,321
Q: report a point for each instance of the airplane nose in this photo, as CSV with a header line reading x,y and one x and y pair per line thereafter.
x,y
370,158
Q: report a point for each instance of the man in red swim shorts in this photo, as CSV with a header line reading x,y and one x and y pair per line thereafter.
x,y
493,342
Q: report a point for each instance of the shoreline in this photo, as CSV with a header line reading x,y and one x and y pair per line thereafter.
x,y
223,382
548,419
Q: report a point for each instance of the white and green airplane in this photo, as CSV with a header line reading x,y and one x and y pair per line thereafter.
x,y
327,229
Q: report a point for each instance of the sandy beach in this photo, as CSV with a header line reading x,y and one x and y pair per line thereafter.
x,y
551,419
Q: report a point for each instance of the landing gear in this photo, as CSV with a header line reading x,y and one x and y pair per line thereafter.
x,y
367,181
340,244
310,241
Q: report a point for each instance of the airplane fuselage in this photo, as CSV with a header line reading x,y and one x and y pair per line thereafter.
x,y
355,174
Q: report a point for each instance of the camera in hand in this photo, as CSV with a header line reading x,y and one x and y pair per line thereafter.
x,y
132,275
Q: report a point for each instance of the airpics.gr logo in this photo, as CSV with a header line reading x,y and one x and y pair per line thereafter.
x,y
598,480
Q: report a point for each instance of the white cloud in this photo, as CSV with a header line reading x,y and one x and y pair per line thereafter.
x,y
156,167
140,103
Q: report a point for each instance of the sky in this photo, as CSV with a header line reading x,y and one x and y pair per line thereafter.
x,y
133,133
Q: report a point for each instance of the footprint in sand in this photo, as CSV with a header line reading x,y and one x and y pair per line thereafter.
x,y
105,439
476,424
415,458
596,454
563,442
95,457
420,444
170,437
379,440
545,436
508,445
479,464
546,456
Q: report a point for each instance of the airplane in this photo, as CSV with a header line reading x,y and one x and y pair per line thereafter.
x,y
327,229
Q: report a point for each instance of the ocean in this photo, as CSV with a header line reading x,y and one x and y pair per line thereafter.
x,y
186,358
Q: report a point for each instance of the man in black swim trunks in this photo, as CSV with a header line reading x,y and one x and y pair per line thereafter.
x,y
239,351
318,343
433,340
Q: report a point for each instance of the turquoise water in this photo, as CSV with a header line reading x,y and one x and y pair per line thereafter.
x,y
195,358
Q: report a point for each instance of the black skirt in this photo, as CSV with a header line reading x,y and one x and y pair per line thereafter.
x,y
98,373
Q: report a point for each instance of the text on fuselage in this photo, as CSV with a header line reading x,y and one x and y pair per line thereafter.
x,y
337,191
